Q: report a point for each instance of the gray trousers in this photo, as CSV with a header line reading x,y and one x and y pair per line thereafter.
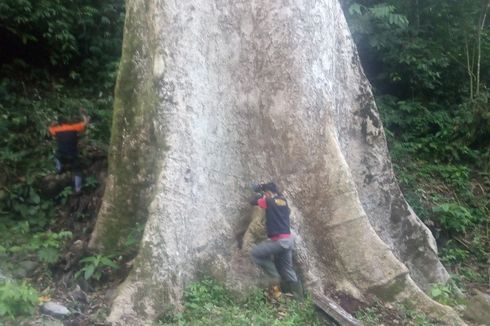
x,y
276,258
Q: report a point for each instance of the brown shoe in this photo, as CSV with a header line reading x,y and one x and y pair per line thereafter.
x,y
275,292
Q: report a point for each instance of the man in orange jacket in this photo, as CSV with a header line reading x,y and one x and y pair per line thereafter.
x,y
66,135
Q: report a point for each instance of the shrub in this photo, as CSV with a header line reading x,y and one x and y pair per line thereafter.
x,y
453,217
17,299
444,293
94,266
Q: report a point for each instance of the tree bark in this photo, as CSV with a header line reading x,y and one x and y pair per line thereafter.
x,y
213,95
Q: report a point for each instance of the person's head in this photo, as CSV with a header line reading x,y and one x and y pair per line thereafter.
x,y
270,189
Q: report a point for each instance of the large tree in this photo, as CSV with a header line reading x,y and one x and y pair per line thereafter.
x,y
212,95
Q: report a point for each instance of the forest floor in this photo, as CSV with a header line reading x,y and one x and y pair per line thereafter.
x,y
89,299
63,283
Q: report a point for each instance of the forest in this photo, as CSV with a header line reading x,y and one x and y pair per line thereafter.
x,y
429,66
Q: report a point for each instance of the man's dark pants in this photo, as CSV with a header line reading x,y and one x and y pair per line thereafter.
x,y
276,258
69,162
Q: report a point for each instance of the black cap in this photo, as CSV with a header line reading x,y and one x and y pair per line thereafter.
x,y
271,186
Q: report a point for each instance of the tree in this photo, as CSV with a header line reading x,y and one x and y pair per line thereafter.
x,y
211,96
75,39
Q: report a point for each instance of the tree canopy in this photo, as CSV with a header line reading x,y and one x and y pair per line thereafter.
x,y
429,64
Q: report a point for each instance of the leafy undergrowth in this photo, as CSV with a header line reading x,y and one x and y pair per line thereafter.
x,y
445,178
397,314
454,202
444,174
436,118
59,56
44,225
210,303
50,262
17,299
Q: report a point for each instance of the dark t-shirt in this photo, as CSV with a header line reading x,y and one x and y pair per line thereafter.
x,y
67,138
277,215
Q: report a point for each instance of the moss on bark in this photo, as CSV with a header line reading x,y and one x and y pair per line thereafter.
x,y
134,150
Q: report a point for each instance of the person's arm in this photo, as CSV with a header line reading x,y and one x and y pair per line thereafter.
x,y
82,125
262,202
257,188
51,128
85,116
259,200
254,199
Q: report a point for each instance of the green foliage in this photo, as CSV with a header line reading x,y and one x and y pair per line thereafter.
x,y
368,316
21,201
25,117
82,37
206,291
82,41
48,245
428,63
130,245
21,17
445,199
379,313
56,57
209,303
65,194
444,293
417,318
386,39
453,255
427,130
382,12
32,95
17,299
413,48
20,241
95,266
453,217
471,275
91,182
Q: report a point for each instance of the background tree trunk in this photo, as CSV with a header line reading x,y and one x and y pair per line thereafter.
x,y
213,95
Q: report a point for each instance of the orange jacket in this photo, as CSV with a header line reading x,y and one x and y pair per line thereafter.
x,y
67,138
78,127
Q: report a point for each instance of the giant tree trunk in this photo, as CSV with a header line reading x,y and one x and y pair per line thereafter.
x,y
214,94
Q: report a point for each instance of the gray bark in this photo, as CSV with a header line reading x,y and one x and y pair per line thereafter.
x,y
212,95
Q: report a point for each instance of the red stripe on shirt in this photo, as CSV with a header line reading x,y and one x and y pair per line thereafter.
x,y
280,236
262,202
